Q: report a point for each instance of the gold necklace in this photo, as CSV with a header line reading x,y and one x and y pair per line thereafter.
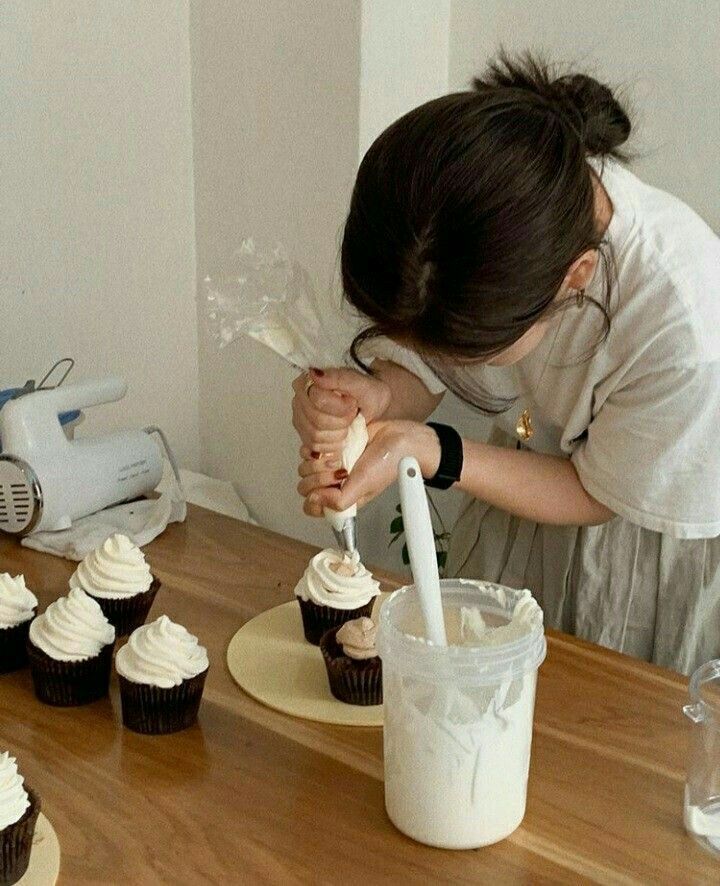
x,y
524,427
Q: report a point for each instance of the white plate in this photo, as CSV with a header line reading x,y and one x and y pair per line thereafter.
x,y
272,661
44,864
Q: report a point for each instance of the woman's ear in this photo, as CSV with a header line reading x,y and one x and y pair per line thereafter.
x,y
582,270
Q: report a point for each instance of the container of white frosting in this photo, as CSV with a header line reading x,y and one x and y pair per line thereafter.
x,y
458,719
702,789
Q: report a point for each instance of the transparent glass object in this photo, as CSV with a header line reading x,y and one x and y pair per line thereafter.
x,y
264,294
702,789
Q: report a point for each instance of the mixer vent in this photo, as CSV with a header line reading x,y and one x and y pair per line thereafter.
x,y
20,497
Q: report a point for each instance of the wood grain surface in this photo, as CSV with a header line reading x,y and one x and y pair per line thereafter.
x,y
253,796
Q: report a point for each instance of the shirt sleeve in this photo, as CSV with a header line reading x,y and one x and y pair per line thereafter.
x,y
652,453
385,349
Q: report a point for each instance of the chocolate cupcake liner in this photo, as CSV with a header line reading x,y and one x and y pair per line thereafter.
x,y
13,647
353,681
16,842
127,613
70,683
317,620
152,710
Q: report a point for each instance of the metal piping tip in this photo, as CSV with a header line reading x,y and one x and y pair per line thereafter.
x,y
347,536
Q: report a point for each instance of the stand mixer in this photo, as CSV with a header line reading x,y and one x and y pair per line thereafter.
x,y
47,481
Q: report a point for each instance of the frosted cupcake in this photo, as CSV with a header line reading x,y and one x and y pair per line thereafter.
x,y
70,648
19,809
353,665
162,670
118,578
335,588
17,609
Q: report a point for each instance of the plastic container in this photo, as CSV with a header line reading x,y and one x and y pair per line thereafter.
x,y
68,420
458,719
702,790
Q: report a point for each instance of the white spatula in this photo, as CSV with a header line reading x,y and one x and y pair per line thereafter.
x,y
421,548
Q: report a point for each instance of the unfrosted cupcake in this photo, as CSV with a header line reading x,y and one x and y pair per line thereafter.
x,y
117,576
162,670
334,589
17,609
70,648
353,665
19,809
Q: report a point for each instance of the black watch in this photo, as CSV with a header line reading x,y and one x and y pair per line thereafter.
x,y
451,457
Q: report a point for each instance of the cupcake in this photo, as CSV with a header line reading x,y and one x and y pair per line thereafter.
x,y
162,670
70,648
19,809
353,665
118,578
17,610
335,588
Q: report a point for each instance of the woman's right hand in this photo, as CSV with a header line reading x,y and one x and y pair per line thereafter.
x,y
327,401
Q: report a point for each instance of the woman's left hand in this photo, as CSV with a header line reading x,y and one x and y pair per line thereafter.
x,y
390,441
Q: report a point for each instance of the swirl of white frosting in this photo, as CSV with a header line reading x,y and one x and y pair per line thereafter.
x,y
72,628
162,654
337,580
115,570
353,448
17,603
14,798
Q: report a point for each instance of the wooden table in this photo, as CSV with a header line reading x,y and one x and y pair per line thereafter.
x,y
253,796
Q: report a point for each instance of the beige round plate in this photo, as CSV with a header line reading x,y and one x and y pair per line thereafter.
x,y
271,660
44,864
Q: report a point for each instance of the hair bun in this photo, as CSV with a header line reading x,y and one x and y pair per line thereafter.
x,y
591,107
605,124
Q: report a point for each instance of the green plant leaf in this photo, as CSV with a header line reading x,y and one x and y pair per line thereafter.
x,y
405,555
441,559
394,539
397,525
398,508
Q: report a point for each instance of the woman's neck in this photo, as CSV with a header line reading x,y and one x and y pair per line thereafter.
x,y
603,204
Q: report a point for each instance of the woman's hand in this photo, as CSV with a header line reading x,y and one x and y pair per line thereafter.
x,y
327,401
390,441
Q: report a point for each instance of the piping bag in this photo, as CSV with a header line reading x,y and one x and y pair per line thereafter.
x,y
262,294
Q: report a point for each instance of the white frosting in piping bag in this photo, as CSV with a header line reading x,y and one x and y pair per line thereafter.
x,y
17,603
353,448
161,654
114,570
326,581
14,798
72,628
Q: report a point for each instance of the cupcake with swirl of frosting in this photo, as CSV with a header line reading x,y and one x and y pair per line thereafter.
x,y
353,665
70,648
17,609
162,670
19,809
116,575
334,589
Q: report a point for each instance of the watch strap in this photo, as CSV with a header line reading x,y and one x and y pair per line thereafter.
x,y
451,457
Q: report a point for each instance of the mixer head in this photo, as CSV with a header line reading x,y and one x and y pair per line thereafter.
x,y
21,500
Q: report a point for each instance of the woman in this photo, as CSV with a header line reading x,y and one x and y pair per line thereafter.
x,y
498,249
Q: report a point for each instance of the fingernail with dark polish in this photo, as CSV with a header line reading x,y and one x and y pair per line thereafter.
x,y
317,372
314,454
342,474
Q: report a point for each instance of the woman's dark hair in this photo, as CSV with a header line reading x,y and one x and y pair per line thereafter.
x,y
468,211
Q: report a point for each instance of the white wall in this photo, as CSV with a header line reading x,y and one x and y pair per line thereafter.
x,y
403,60
275,110
666,53
96,204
